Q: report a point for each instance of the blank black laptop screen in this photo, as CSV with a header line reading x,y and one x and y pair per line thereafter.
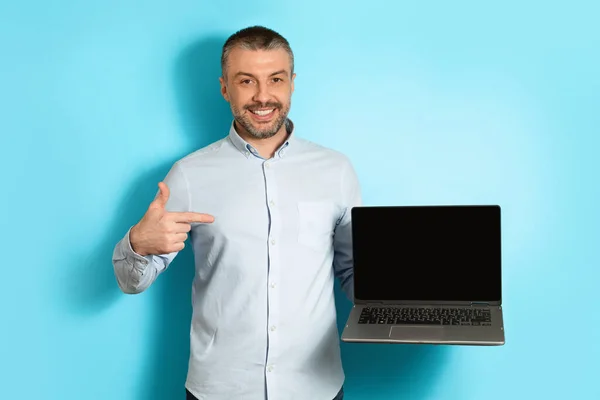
x,y
427,253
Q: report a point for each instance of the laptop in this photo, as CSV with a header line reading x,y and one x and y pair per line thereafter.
x,y
427,275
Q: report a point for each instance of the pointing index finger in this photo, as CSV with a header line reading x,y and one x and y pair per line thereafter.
x,y
191,217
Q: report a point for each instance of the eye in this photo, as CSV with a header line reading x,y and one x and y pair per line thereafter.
x,y
245,81
277,80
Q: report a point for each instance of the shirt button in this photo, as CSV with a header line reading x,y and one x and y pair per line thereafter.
x,y
267,165
273,241
272,203
270,368
273,285
273,328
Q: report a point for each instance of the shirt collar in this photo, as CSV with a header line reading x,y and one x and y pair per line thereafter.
x,y
248,150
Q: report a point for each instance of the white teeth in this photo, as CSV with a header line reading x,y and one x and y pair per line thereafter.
x,y
263,112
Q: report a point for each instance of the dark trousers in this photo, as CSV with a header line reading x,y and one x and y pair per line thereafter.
x,y
339,396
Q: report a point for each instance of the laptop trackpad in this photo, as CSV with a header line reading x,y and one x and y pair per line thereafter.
x,y
418,332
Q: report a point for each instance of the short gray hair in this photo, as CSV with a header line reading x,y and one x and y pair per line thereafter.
x,y
255,38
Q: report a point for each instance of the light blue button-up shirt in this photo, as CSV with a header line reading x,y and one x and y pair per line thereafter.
x,y
264,317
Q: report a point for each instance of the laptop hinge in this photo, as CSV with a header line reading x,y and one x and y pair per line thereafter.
x,y
480,303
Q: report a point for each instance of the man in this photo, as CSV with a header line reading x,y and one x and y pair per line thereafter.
x,y
268,217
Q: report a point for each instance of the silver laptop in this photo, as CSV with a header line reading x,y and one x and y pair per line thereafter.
x,y
427,274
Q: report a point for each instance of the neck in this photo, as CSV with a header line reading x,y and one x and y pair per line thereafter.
x,y
266,147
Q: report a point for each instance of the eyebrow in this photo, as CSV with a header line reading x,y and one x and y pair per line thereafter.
x,y
283,71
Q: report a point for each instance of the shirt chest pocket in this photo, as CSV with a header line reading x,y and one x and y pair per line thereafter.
x,y
316,223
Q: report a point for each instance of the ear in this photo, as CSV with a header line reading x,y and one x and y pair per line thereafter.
x,y
224,89
293,77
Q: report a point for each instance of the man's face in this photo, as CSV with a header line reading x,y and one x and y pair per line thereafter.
x,y
259,87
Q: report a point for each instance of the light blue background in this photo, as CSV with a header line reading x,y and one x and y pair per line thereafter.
x,y
447,102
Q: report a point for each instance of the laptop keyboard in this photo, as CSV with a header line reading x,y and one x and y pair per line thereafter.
x,y
460,316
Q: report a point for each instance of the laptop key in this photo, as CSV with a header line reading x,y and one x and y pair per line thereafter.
x,y
417,322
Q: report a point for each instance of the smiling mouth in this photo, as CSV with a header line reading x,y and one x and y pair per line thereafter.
x,y
263,113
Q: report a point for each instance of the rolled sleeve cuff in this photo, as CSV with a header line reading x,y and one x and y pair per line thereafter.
x,y
126,252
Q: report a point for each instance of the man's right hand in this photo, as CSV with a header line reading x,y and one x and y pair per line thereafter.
x,y
161,231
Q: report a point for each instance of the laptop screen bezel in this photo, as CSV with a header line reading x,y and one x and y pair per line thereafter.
x,y
364,211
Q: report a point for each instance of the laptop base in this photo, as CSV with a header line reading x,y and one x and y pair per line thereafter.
x,y
419,332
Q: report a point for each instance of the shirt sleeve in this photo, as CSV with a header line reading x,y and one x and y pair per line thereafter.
x,y
135,273
343,259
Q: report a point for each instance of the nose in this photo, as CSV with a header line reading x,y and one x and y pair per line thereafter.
x,y
262,94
